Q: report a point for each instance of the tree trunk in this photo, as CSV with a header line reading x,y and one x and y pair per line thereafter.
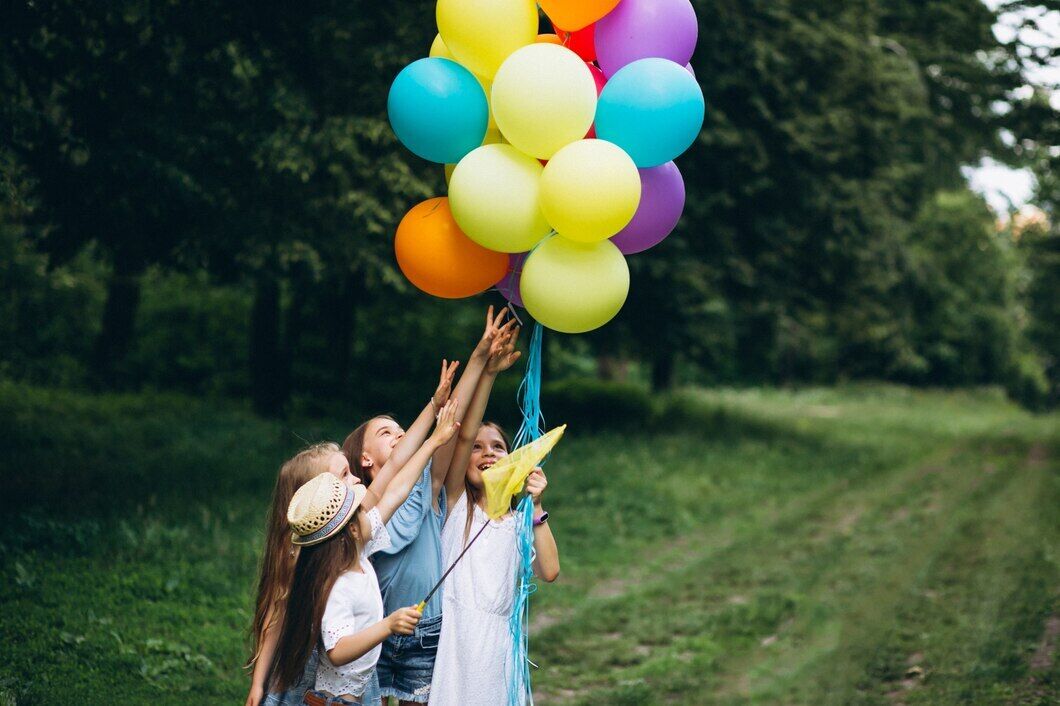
x,y
268,379
340,333
611,368
294,324
119,322
662,372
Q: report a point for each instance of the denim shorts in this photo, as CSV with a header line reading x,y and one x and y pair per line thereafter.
x,y
407,662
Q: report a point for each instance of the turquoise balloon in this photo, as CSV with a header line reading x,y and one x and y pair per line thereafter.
x,y
651,108
438,110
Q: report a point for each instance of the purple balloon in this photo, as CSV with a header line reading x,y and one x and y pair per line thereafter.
x,y
644,29
662,200
509,284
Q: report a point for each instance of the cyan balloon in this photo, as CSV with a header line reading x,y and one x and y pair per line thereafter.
x,y
438,110
653,109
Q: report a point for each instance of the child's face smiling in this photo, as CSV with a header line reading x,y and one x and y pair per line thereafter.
x,y
380,438
489,448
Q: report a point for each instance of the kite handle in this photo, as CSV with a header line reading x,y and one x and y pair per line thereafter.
x,y
421,606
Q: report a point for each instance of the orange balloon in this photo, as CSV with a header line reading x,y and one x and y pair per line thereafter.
x,y
573,15
438,258
549,39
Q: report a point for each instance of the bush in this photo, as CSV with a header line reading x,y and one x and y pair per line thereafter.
x,y
593,405
1028,385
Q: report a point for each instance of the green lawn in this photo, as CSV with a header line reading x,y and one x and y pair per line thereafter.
x,y
865,545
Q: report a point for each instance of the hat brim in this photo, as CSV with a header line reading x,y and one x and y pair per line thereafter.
x,y
349,507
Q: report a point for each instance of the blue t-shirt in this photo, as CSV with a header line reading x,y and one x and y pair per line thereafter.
x,y
409,569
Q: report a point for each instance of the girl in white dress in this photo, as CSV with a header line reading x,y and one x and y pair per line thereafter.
x,y
474,653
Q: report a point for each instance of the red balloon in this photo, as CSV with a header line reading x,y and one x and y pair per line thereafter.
x,y
600,79
582,42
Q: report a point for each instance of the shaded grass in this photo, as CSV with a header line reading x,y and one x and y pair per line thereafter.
x,y
756,546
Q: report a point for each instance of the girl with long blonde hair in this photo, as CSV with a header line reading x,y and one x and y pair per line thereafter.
x,y
277,570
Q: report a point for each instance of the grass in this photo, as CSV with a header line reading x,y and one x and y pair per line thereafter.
x,y
859,545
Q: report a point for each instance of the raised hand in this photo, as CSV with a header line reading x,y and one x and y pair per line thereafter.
x,y
502,351
445,383
493,328
446,426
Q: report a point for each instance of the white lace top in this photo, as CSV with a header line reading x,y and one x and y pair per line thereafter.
x,y
353,605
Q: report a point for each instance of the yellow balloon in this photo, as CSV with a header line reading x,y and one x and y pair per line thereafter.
x,y
482,33
440,51
544,98
574,287
590,190
493,137
495,198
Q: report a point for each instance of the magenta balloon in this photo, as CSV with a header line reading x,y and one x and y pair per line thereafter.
x,y
644,29
509,284
662,200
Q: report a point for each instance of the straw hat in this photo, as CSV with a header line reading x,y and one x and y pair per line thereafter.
x,y
322,507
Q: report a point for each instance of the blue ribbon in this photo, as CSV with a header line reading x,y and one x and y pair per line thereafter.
x,y
532,427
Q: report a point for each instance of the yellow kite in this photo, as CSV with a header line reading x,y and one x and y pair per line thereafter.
x,y
505,478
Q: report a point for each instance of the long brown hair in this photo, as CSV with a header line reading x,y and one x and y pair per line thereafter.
x,y
278,559
353,448
315,573
472,492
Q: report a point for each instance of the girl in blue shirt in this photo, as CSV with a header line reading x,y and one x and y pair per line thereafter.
x,y
412,565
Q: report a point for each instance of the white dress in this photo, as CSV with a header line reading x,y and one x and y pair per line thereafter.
x,y
476,646
354,604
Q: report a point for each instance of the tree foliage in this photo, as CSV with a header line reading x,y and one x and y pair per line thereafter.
x,y
237,159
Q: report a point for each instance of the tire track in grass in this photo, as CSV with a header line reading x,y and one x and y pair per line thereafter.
x,y
721,587
982,615
864,665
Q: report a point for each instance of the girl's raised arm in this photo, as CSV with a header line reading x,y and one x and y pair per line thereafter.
x,y
398,489
502,356
465,389
417,433
415,436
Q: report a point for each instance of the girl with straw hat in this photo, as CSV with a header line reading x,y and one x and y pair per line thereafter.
x,y
280,555
334,602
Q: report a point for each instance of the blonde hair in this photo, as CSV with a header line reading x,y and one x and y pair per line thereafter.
x,y
278,559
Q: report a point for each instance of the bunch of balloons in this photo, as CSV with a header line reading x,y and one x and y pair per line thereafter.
x,y
558,148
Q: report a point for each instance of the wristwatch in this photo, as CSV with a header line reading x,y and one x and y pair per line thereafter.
x,y
541,519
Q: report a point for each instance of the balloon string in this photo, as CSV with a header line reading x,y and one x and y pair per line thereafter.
x,y
519,691
533,421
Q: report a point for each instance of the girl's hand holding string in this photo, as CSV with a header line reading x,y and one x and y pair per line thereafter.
x,y
403,621
536,483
